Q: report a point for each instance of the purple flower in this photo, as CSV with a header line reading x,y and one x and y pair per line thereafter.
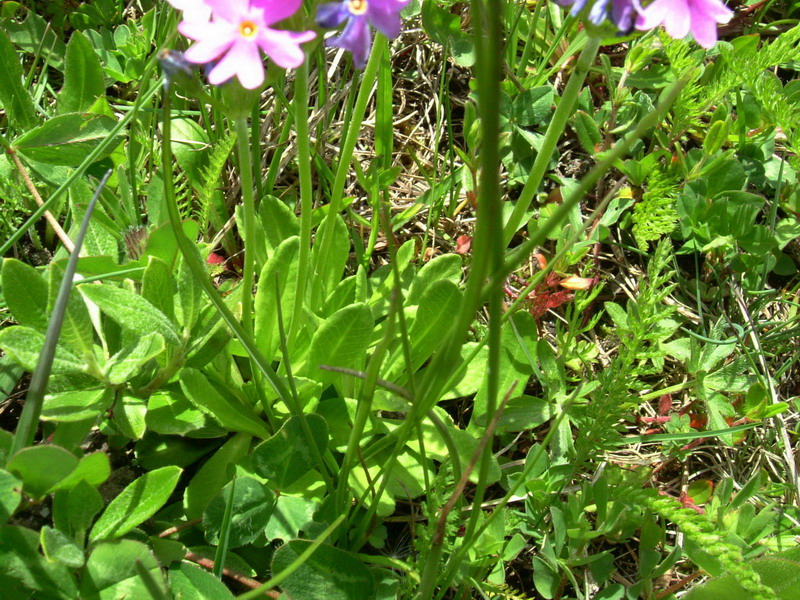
x,y
383,15
681,16
620,12
239,30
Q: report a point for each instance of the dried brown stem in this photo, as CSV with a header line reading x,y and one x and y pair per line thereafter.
x,y
62,235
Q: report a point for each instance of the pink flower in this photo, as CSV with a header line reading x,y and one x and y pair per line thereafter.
x,y
193,10
237,33
681,16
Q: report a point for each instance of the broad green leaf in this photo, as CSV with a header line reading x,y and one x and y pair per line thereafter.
x,y
290,517
251,510
129,417
280,272
124,364
25,294
341,341
190,296
136,503
92,468
278,221
158,286
79,405
587,130
10,495
158,451
75,509
57,547
515,366
189,582
447,267
41,467
438,304
231,413
111,571
130,310
213,475
161,242
83,76
66,140
525,413
328,573
77,332
23,567
24,345
286,456
14,97
170,413
331,266
532,107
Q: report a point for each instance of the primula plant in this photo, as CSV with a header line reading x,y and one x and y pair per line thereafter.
x,y
381,299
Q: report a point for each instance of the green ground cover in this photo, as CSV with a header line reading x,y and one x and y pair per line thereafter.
x,y
502,305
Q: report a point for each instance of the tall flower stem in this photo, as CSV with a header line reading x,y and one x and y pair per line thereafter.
x,y
248,217
194,262
487,255
487,247
346,154
300,105
565,110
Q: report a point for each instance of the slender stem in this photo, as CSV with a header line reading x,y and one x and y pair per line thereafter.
x,y
81,169
306,191
484,242
488,243
555,130
195,264
488,74
29,419
249,218
346,156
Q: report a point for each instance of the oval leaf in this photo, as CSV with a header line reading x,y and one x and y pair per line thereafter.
x,y
137,503
328,573
66,140
286,456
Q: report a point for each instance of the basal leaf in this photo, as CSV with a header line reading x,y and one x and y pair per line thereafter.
x,y
14,97
130,310
231,413
41,467
136,503
25,293
66,140
328,573
83,77
286,456
251,510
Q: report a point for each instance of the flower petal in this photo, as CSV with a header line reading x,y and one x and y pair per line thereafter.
x,y
208,49
713,8
193,10
355,38
283,47
332,14
276,10
673,14
385,19
243,60
229,10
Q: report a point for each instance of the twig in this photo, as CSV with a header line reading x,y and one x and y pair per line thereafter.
x,y
181,527
62,235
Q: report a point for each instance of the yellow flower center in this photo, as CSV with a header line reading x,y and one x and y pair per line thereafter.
x,y
248,29
357,7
